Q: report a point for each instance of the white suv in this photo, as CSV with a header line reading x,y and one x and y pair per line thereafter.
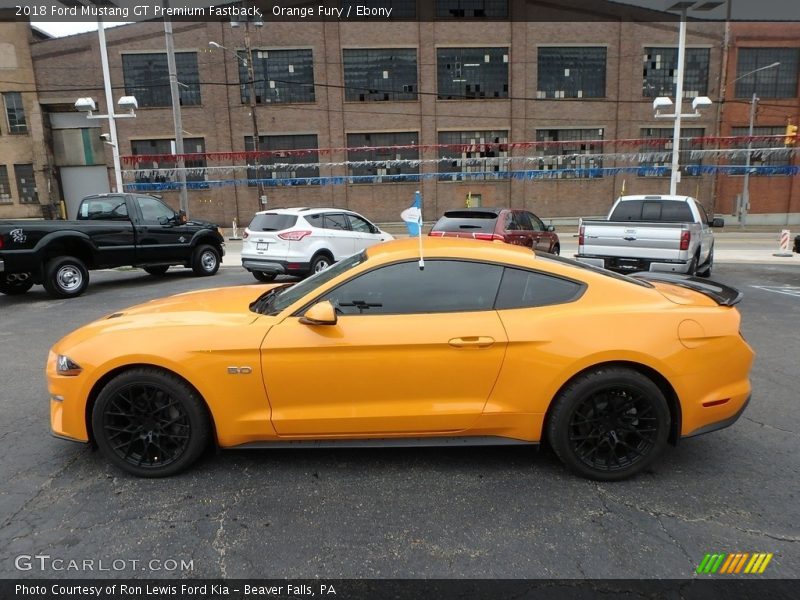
x,y
301,241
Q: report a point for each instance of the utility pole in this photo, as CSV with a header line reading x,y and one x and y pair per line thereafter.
x,y
746,181
251,76
180,164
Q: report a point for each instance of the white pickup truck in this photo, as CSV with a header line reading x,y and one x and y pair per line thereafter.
x,y
651,233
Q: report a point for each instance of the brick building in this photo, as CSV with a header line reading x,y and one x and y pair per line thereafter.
x,y
494,103
24,173
774,193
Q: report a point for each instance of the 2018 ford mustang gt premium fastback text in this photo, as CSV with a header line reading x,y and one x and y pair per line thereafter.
x,y
488,343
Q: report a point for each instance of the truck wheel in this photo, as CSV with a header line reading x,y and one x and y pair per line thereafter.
x,y
156,271
65,277
205,260
13,284
706,270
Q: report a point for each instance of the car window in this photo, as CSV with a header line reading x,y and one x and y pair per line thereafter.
x,y
153,210
587,267
110,208
538,224
336,221
402,288
272,222
466,221
314,220
509,224
522,289
667,211
359,224
523,221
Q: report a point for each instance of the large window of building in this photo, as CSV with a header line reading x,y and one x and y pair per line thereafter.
x,y
380,74
777,82
163,171
660,72
147,78
470,9
472,73
26,184
374,148
661,145
484,152
281,76
281,165
571,72
765,153
401,9
572,158
15,113
5,186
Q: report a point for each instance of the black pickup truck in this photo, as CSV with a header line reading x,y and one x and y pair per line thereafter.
x,y
111,230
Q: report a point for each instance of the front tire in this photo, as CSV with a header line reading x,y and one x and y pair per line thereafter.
x,y
14,284
150,423
157,271
65,277
609,424
205,260
263,276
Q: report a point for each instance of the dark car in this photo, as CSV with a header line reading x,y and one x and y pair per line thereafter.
x,y
510,225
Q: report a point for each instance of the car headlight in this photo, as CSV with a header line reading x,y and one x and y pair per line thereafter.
x,y
67,367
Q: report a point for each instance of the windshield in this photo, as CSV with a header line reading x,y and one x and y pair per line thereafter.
x,y
588,267
275,300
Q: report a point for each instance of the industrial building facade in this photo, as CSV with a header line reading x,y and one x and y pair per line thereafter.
x,y
552,116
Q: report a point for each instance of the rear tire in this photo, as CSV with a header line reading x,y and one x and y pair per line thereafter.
x,y
556,250
150,423
65,277
706,271
205,260
157,271
263,276
609,424
319,263
14,284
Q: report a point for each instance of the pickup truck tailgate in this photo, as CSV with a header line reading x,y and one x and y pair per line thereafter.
x,y
652,241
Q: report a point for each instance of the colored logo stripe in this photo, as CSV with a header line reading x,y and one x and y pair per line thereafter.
x,y
735,563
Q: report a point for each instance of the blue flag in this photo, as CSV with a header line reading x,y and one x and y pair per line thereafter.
x,y
413,216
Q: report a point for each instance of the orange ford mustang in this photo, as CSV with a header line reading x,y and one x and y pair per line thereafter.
x,y
488,343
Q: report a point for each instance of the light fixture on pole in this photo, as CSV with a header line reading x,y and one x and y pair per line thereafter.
x,y
663,102
744,204
125,103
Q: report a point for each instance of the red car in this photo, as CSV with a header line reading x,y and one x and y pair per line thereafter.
x,y
510,225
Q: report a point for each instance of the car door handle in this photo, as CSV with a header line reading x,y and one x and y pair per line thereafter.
x,y
477,341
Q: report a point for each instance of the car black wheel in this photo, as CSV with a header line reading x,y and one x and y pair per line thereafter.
x,y
157,271
264,276
205,260
320,263
13,284
556,249
65,277
609,424
150,423
706,270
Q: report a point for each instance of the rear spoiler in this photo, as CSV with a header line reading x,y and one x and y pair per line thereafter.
x,y
721,294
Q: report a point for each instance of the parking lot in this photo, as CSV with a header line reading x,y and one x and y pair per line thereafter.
x,y
510,512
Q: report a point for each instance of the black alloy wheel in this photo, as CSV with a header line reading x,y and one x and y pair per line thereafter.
x,y
609,424
150,423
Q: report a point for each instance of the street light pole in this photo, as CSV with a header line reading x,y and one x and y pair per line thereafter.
x,y
676,131
112,125
180,164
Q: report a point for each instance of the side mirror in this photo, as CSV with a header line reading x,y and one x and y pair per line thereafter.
x,y
551,228
180,217
718,222
322,313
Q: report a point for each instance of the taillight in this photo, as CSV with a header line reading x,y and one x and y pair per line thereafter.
x,y
581,233
686,237
294,236
489,236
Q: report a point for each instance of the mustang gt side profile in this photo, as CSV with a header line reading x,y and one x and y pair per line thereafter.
x,y
483,343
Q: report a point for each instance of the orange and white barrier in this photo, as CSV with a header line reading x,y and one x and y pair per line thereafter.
x,y
783,244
